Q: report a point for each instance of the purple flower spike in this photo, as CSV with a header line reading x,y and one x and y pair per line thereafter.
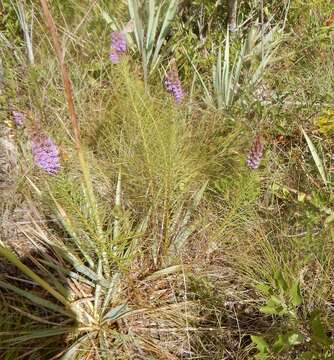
x,y
118,41
18,117
45,153
173,83
118,46
113,56
255,153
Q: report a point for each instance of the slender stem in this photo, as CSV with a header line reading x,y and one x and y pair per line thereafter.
x,y
74,120
66,80
232,15
262,23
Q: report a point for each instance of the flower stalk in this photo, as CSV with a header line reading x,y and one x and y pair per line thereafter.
x,y
73,116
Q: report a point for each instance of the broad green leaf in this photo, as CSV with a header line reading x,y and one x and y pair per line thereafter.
x,y
264,288
274,306
295,294
280,343
329,219
295,338
269,310
280,281
276,301
260,343
318,329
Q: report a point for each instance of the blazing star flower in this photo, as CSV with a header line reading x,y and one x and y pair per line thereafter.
x,y
255,153
45,153
18,117
118,46
173,83
113,56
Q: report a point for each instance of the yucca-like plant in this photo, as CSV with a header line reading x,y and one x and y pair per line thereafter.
x,y
98,294
104,281
230,79
152,20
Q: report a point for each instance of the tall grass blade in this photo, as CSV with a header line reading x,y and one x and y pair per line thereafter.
x,y
164,30
112,290
316,157
37,299
74,349
187,230
18,263
208,96
39,334
226,71
116,312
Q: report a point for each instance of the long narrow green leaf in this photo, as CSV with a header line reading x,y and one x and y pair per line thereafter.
x,y
5,252
116,312
118,204
208,96
138,28
237,73
36,299
74,350
164,272
186,230
152,27
170,13
217,78
226,70
316,157
97,298
70,274
39,334
112,290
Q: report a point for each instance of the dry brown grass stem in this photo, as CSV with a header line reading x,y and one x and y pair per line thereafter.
x,y
66,79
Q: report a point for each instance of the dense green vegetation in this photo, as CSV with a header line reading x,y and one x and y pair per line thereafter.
x,y
183,208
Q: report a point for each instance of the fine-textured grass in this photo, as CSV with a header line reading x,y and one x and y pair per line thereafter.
x,y
155,240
